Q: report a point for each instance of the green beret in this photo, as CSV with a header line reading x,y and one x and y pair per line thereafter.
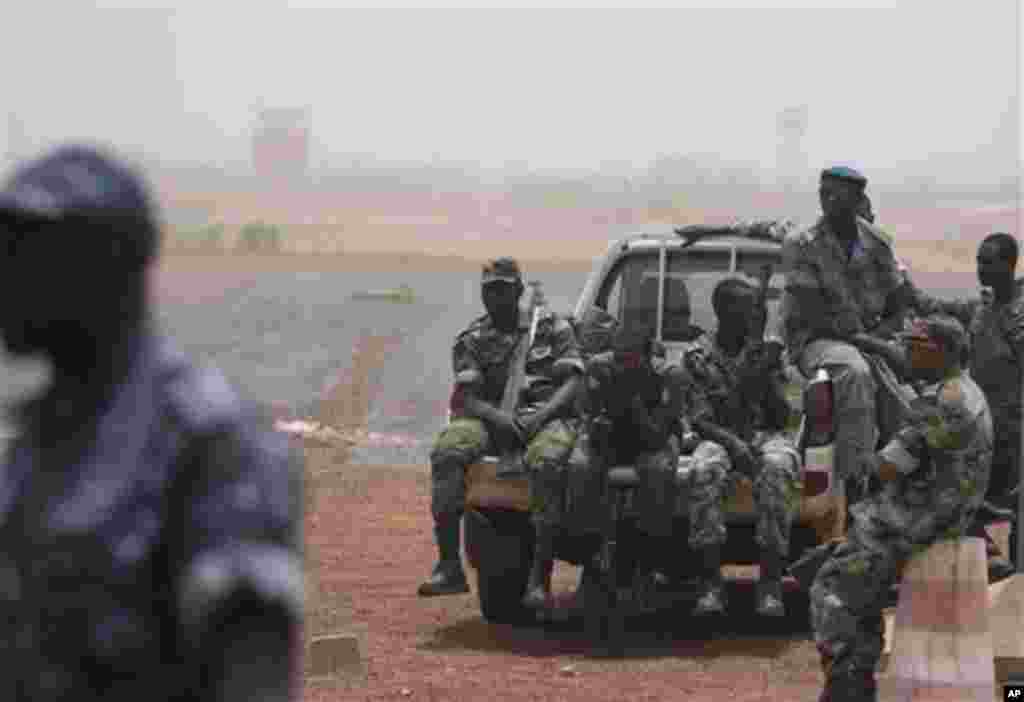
x,y
845,173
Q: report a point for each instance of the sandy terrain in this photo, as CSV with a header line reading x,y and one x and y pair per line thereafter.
x,y
536,258
372,227
371,531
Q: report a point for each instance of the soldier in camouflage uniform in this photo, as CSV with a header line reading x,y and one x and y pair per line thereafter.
x,y
149,531
646,409
544,425
741,438
935,472
996,329
841,284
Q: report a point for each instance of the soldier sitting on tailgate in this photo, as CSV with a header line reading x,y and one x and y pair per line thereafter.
x,y
545,424
630,381
843,285
935,472
742,418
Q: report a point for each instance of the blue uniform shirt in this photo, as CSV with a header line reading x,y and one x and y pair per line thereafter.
x,y
116,552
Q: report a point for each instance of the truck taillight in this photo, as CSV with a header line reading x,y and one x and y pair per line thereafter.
x,y
818,408
629,359
457,402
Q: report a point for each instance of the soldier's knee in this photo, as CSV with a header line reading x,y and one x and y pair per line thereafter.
x,y
550,449
464,439
444,461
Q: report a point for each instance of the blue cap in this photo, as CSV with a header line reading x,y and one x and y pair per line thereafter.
x,y
82,183
845,173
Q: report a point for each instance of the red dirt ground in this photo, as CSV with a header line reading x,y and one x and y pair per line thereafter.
x,y
371,535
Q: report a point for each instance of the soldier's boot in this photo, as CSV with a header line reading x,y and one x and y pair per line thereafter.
x,y
769,585
850,687
999,567
538,587
448,577
711,596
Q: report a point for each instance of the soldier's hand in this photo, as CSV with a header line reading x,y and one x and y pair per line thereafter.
x,y
509,427
529,426
743,459
689,442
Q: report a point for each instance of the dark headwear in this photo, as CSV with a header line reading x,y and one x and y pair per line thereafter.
x,y
845,173
1009,249
501,269
81,186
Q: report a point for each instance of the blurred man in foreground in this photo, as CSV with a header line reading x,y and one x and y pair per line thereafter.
x,y
149,543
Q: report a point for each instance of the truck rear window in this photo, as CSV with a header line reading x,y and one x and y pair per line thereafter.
x,y
630,292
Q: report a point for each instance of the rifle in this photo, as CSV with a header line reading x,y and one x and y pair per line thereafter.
x,y
510,463
757,352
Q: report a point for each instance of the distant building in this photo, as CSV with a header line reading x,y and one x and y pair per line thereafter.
x,y
281,144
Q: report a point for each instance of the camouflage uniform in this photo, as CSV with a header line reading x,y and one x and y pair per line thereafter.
x,y
656,495
997,364
120,547
777,487
944,465
830,295
481,357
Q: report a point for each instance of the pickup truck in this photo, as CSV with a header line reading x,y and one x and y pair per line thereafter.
x,y
641,279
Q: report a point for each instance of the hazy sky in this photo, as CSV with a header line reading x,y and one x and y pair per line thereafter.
x,y
884,88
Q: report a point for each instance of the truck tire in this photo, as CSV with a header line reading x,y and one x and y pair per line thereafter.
x,y
503,543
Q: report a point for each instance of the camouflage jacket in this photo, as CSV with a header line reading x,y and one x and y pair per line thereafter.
x,y
832,293
944,458
996,333
715,375
482,357
668,393
118,553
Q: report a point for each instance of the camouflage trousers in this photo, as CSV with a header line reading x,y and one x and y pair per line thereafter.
x,y
466,440
851,587
854,389
847,598
462,442
1006,458
776,489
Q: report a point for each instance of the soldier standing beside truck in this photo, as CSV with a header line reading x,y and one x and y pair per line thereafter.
x,y
544,425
